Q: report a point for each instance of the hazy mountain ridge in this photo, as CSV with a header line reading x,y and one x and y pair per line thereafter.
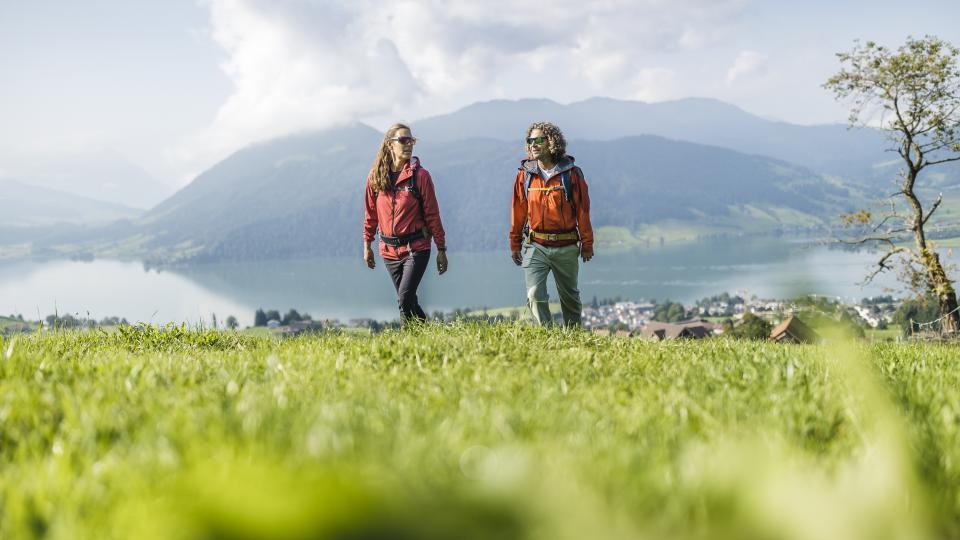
x,y
101,176
25,205
826,148
302,195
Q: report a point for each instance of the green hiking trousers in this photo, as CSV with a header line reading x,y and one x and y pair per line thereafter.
x,y
538,262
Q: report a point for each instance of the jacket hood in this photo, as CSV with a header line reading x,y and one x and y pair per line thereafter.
x,y
412,164
530,165
408,167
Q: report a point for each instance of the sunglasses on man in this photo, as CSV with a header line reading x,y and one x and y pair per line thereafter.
x,y
531,140
405,140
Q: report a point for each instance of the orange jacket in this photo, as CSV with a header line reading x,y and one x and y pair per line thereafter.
x,y
549,211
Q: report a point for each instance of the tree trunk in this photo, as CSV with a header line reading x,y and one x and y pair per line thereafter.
x,y
937,280
948,310
943,290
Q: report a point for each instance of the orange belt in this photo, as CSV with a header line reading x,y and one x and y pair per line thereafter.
x,y
572,235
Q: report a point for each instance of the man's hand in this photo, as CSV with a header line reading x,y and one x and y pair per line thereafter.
x,y
586,254
517,258
441,262
368,256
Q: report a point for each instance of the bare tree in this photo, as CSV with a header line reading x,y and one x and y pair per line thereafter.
x,y
913,94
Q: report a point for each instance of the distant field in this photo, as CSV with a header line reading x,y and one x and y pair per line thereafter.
x,y
474,431
891,333
10,325
14,251
745,220
670,232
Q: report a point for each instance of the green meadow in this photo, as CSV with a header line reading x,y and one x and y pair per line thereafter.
x,y
474,431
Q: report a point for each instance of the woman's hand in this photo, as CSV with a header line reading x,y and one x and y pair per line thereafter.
x,y
517,258
441,262
368,256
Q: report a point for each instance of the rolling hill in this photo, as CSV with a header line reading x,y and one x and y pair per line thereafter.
x,y
301,195
826,148
695,163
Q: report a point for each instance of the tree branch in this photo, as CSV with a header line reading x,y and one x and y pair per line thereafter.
x,y
893,232
882,265
860,241
933,208
885,219
938,145
947,160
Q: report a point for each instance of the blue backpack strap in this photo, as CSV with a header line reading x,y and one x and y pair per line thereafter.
x,y
567,181
567,184
527,180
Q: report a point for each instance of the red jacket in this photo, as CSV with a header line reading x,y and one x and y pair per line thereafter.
x,y
397,213
549,211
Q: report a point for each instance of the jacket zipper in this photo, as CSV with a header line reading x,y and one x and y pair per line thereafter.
x,y
541,205
563,221
393,214
563,197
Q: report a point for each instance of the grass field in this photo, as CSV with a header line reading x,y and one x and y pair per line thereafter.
x,y
891,333
474,431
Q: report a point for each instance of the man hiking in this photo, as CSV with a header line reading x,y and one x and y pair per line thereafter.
x,y
550,214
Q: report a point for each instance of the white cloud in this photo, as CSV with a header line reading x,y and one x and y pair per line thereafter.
x,y
654,84
300,64
747,64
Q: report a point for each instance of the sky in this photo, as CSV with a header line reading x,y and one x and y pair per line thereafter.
x,y
176,86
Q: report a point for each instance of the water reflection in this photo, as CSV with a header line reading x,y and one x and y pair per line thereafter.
x,y
344,288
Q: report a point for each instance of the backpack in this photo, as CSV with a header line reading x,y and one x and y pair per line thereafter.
x,y
565,180
414,190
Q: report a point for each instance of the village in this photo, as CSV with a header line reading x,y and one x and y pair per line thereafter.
x,y
752,318
795,320
725,314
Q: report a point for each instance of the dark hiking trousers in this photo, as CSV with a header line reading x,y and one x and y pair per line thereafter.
x,y
406,274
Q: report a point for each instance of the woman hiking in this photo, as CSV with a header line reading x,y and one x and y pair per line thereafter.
x,y
401,206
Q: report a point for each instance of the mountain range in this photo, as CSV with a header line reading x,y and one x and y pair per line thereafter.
x,y
100,175
697,162
302,195
832,149
33,206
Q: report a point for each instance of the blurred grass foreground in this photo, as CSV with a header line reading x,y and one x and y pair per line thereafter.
x,y
474,431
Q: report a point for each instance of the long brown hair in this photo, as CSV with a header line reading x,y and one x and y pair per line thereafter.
x,y
379,177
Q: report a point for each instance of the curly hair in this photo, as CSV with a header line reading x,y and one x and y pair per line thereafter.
x,y
379,177
556,144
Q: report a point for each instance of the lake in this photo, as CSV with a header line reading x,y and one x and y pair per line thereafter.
x,y
344,288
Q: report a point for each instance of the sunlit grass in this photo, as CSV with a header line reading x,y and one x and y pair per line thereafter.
x,y
474,431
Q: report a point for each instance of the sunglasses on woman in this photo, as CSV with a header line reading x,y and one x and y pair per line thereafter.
x,y
531,140
404,140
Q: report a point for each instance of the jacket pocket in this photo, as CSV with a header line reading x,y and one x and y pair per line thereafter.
x,y
407,213
553,209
